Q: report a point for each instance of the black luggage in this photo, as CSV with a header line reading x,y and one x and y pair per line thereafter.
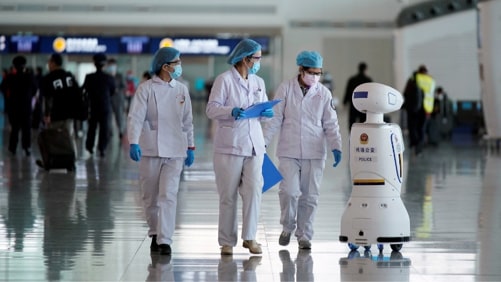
x,y
433,130
56,149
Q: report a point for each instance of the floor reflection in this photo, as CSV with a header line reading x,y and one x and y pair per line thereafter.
x,y
368,267
301,269
65,227
489,220
21,215
228,270
160,269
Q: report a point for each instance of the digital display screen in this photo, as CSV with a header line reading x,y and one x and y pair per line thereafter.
x,y
24,44
134,44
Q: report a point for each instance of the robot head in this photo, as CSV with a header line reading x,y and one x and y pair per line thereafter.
x,y
376,98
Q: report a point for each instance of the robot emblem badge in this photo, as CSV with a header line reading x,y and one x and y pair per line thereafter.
x,y
364,138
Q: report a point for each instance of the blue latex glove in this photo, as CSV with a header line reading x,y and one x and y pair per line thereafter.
x,y
337,157
135,152
267,113
190,158
237,113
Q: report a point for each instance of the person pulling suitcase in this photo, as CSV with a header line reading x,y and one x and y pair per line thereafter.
x,y
59,89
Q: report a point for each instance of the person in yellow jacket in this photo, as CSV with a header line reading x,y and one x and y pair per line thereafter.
x,y
427,85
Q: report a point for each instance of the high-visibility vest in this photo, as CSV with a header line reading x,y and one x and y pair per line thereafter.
x,y
427,84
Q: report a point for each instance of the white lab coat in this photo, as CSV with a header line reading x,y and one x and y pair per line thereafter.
x,y
236,137
160,121
238,153
308,124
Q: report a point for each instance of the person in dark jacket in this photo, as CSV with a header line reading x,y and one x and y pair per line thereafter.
x,y
37,119
413,105
353,82
19,88
99,86
59,91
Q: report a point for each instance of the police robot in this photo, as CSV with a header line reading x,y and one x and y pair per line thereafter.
x,y
375,213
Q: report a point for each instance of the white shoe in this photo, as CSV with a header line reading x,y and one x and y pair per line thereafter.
x,y
253,246
227,250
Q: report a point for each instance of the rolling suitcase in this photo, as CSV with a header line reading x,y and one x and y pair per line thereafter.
x,y
56,149
433,130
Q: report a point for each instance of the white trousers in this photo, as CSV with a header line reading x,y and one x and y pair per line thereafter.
x,y
298,193
159,181
243,175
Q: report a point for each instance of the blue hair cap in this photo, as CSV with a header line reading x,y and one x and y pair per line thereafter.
x,y
310,59
244,48
162,56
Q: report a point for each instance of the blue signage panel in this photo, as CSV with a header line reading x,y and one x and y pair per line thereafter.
x,y
134,44
79,44
203,46
199,46
24,44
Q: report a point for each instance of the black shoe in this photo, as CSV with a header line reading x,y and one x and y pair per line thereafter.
x,y
27,152
40,164
154,245
71,168
159,261
90,151
165,249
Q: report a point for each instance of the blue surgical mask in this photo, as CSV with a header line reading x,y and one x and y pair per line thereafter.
x,y
112,69
255,68
178,71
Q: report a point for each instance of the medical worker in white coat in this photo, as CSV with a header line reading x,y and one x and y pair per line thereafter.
x,y
308,125
238,145
160,132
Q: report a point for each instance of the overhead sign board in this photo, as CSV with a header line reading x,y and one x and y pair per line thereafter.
x,y
195,46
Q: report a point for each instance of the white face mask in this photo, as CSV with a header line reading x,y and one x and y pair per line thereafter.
x,y
310,79
112,69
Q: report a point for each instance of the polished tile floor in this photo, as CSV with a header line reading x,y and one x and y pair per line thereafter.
x,y
88,225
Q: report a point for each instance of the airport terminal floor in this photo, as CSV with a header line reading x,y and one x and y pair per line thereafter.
x,y
88,225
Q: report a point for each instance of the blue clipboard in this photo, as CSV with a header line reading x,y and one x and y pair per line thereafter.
x,y
256,109
271,174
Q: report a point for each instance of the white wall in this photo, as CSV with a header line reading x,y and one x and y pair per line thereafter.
x,y
448,47
490,27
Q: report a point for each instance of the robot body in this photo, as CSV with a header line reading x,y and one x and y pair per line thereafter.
x,y
375,212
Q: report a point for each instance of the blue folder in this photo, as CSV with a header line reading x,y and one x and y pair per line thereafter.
x,y
256,109
271,174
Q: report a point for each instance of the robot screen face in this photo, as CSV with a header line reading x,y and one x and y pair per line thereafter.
x,y
376,98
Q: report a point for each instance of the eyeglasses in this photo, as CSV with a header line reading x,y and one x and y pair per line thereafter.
x,y
314,73
175,63
256,58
